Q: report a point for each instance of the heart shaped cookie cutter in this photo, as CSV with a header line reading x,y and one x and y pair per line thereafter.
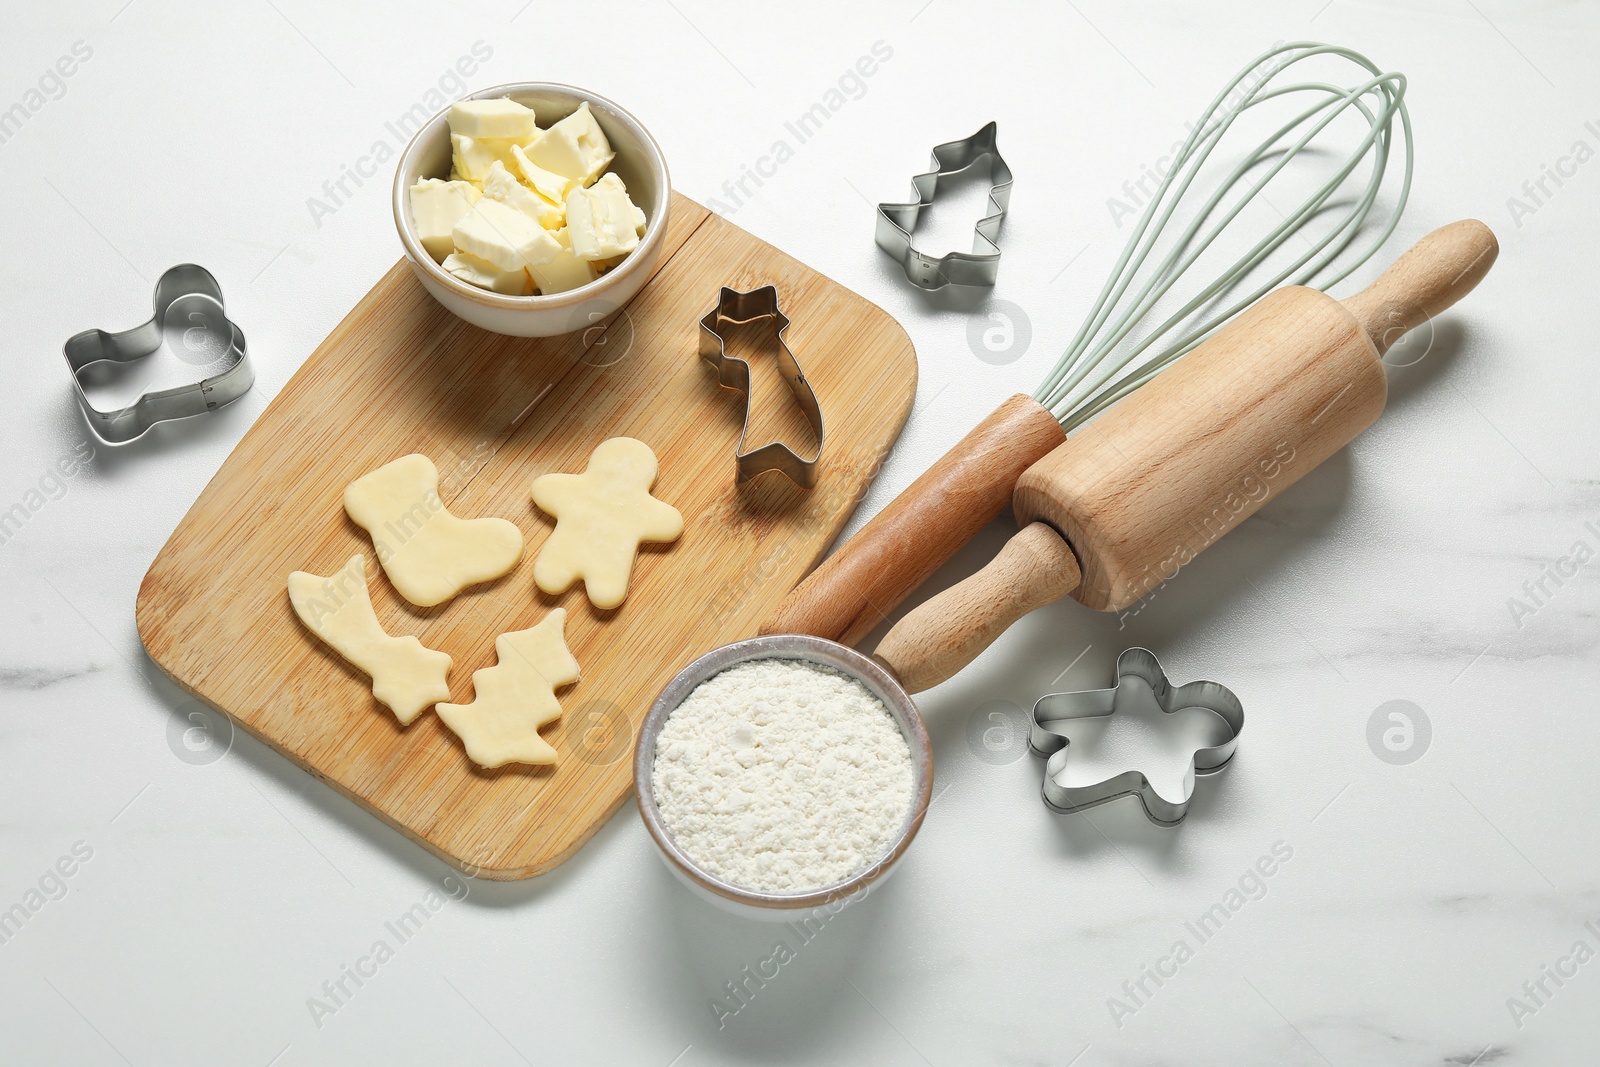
x,y
187,300
1048,737
735,308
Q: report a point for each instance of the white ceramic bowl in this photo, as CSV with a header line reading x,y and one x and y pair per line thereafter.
x,y
639,164
784,907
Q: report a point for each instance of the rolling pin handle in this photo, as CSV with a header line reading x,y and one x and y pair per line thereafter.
x,y
858,586
945,633
1437,271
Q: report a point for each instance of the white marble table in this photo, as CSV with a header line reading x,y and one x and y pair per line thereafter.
x,y
218,898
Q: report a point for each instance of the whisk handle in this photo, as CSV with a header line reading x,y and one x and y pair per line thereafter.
x,y
1437,271
945,633
856,587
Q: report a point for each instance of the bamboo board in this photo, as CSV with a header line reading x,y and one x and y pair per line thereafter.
x,y
399,375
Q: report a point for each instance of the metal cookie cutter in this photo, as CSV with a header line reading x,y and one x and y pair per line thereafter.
x,y
1047,738
734,307
189,318
896,222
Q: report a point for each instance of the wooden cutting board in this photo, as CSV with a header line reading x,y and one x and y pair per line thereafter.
x,y
399,375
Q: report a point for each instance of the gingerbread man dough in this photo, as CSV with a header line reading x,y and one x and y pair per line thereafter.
x,y
602,516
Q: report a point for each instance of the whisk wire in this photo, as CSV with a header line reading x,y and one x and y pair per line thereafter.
x,y
1085,381
1151,293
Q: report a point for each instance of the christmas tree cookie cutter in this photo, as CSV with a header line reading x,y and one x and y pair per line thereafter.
x,y
897,222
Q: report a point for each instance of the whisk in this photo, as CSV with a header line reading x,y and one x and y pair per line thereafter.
x,y
1085,381
857,587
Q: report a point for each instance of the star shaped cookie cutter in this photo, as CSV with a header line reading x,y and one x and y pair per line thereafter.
x,y
897,222
188,304
735,308
1047,737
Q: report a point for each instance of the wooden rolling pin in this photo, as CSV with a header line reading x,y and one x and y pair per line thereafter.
x,y
1124,503
859,585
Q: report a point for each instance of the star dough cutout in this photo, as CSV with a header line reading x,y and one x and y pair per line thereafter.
x,y
602,516
1205,715
405,675
516,696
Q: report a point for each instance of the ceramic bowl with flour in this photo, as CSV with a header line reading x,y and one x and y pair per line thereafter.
x,y
782,773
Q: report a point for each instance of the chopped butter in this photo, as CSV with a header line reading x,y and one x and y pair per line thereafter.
x,y
564,272
526,207
499,185
546,183
436,207
471,157
486,275
499,118
504,236
602,221
576,147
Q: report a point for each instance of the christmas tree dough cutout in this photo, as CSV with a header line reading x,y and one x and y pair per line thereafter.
x,y
429,554
602,516
515,697
405,675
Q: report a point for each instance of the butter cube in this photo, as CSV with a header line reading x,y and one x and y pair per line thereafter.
x,y
610,188
436,207
551,186
486,275
471,157
576,147
500,185
504,236
602,221
500,119
564,272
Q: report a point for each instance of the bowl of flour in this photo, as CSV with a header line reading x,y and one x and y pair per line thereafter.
x,y
782,773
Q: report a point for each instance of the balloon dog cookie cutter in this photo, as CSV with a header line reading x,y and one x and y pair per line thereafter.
x,y
1048,737
897,222
189,319
734,308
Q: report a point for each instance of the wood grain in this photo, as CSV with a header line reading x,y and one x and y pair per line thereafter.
x,y
1438,270
1145,489
940,636
1147,486
1141,491
399,375
858,586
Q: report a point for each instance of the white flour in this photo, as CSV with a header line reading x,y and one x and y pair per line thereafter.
x,y
782,776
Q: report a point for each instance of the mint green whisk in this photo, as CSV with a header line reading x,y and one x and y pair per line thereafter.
x,y
1101,367
1335,227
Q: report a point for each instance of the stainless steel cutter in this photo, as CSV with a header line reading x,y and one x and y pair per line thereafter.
x,y
734,308
1048,737
190,319
897,222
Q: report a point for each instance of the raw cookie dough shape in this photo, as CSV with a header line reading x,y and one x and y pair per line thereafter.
x,y
515,697
405,675
428,553
602,515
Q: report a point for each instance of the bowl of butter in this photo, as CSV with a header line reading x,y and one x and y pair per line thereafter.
x,y
532,209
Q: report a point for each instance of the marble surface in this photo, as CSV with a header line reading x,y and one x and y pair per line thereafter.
x,y
1444,910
